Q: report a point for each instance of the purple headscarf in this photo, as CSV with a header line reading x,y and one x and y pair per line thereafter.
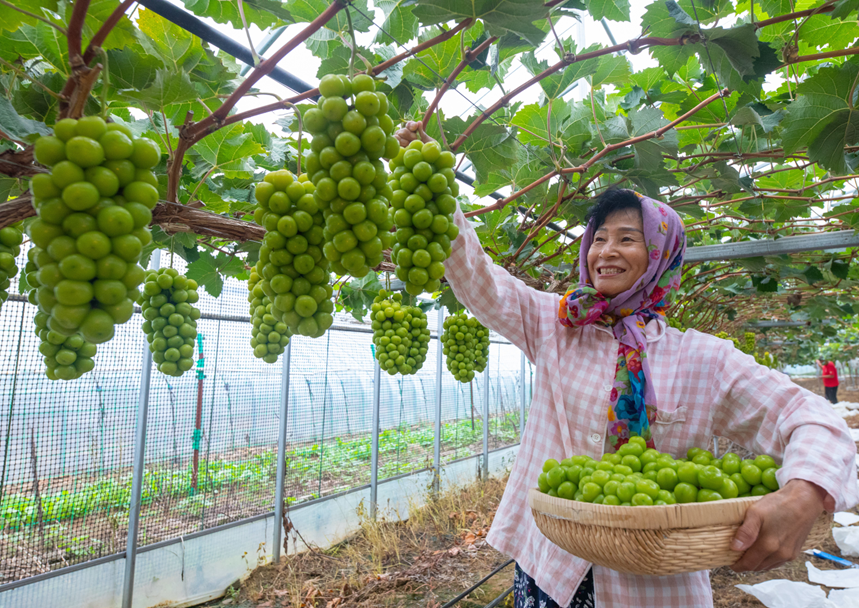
x,y
632,405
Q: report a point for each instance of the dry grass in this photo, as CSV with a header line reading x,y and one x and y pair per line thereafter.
x,y
438,551
423,560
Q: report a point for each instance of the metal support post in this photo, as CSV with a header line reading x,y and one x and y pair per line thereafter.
x,y
281,456
137,466
374,452
522,400
436,444
485,460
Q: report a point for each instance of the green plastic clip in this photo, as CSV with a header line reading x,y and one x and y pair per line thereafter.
x,y
196,436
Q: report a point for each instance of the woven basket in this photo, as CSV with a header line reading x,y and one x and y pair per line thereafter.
x,y
659,540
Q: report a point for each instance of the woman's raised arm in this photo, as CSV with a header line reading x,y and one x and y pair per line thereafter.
x,y
501,302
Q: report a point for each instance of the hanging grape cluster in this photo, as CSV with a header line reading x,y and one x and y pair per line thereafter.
x,y
351,133
400,334
65,357
465,345
269,333
295,273
10,246
424,186
94,210
170,320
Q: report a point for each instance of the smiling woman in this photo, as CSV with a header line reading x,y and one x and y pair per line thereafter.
x,y
609,369
618,255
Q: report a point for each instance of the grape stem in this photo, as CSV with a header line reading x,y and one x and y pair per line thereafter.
x,y
354,44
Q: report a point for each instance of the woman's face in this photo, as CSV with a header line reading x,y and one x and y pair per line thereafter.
x,y
618,255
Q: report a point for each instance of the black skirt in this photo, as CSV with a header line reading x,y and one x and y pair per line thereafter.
x,y
526,593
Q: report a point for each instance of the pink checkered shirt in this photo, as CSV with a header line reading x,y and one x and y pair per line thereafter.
x,y
704,387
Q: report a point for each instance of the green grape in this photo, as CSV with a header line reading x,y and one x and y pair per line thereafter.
x,y
292,270
170,320
424,186
662,481
66,357
400,334
465,344
269,333
350,136
10,247
94,209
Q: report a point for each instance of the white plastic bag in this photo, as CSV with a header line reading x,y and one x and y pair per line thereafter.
x,y
847,540
782,593
846,578
845,598
843,518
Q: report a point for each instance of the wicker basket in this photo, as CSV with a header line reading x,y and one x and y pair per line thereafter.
x,y
658,540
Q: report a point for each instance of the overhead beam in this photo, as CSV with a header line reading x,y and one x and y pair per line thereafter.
x,y
823,241
192,24
770,324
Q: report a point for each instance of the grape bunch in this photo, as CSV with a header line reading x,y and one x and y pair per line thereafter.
x,y
636,475
291,262
94,209
269,333
65,357
170,320
351,133
466,345
10,247
424,187
400,334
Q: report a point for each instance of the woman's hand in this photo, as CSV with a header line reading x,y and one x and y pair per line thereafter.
x,y
777,525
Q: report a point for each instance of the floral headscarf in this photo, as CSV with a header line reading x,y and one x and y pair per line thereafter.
x,y
632,404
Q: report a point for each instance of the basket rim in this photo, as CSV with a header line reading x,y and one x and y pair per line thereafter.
x,y
730,511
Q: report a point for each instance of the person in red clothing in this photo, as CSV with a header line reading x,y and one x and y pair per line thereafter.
x,y
830,380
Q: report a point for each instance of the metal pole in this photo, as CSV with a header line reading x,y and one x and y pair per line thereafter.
x,y
281,455
137,466
486,388
374,452
436,445
522,400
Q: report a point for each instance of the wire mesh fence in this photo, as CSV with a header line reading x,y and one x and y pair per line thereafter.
x,y
67,449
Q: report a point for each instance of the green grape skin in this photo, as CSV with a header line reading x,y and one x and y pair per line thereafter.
x,y
166,302
93,212
400,334
424,203
465,344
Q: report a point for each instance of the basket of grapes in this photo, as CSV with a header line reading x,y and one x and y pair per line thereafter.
x,y
642,512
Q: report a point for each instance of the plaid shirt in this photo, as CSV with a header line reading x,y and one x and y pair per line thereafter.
x,y
704,387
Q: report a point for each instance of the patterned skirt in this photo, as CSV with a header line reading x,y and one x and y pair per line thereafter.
x,y
526,593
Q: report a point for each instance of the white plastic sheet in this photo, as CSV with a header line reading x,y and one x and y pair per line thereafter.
x,y
782,593
854,433
843,518
846,578
847,540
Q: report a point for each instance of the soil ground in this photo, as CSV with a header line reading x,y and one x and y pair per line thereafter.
x,y
429,559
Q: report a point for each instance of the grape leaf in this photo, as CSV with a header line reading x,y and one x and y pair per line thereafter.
x,y
40,40
262,13
34,102
558,83
208,271
399,21
11,19
648,153
616,10
169,87
18,127
358,294
533,121
842,8
449,301
431,66
489,146
308,10
121,36
516,16
822,117
822,31
765,284
612,69
227,150
130,69
177,47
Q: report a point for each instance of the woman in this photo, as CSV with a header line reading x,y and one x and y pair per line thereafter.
x,y
607,365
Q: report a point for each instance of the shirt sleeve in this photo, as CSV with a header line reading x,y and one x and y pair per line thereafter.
x,y
501,302
767,413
